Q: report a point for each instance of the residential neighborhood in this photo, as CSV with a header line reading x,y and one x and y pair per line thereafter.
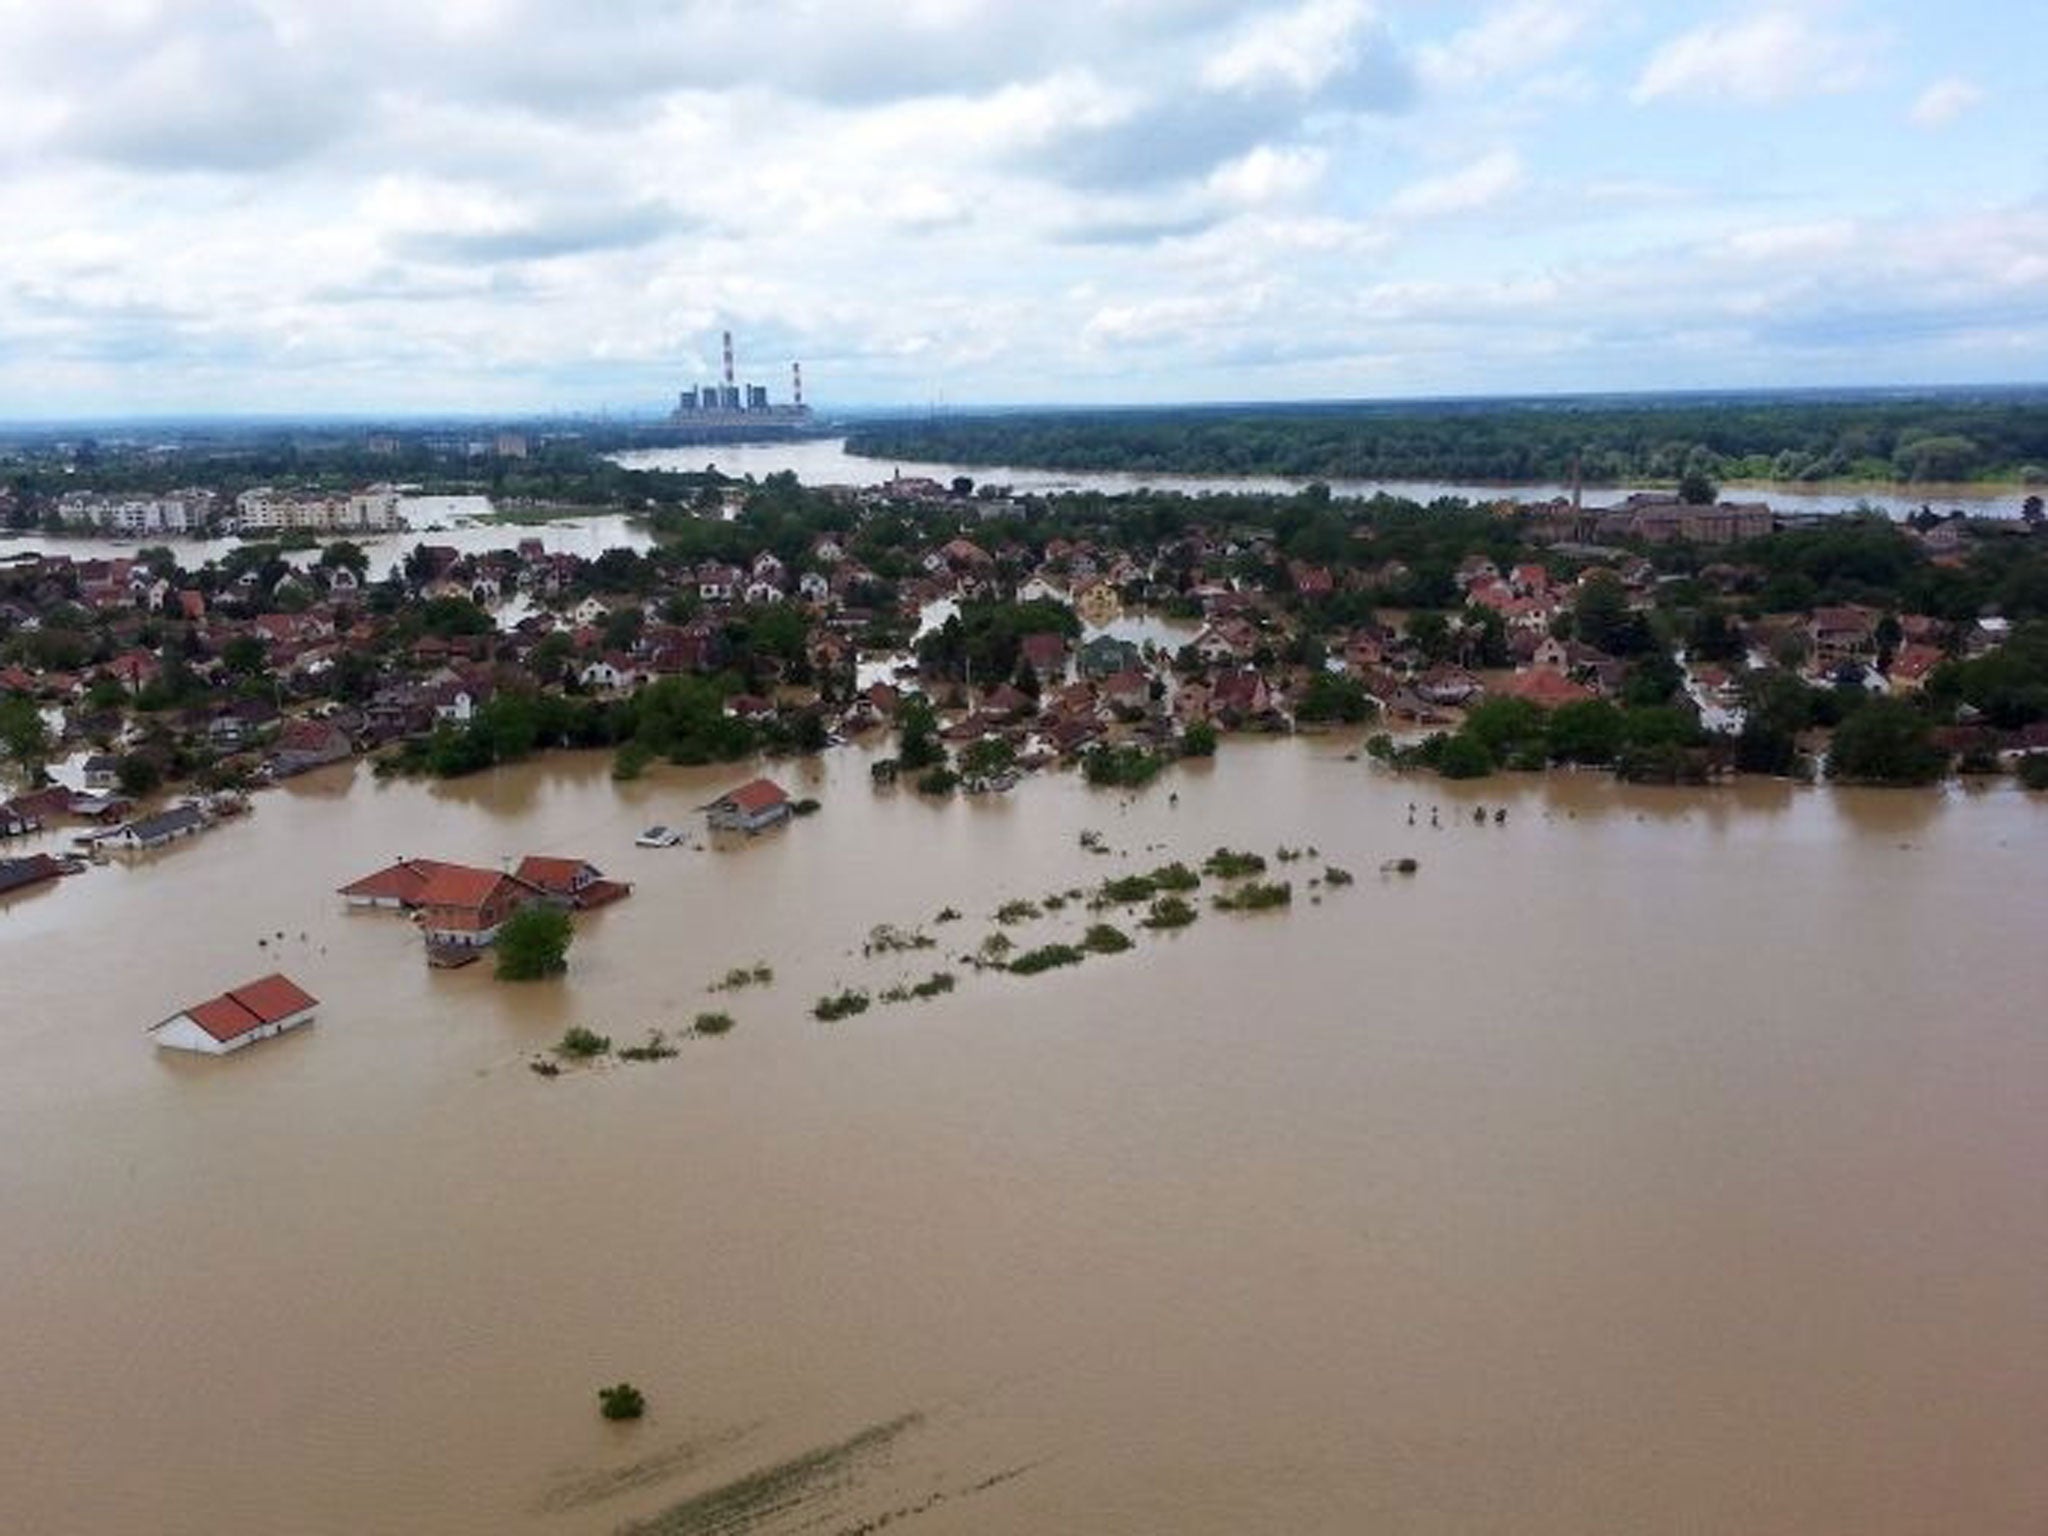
x,y
1037,631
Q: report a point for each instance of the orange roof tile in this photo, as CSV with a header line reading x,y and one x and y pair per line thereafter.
x,y
273,997
395,882
753,798
551,874
459,885
266,1000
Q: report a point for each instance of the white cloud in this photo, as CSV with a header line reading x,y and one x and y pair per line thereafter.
x,y
1512,39
1269,175
1772,55
1483,182
1300,50
536,204
1827,237
1945,101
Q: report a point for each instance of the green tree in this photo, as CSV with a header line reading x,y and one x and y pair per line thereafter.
x,y
1601,617
917,724
24,735
1887,741
345,553
1333,696
1463,757
138,774
1586,731
244,656
1505,728
987,757
1696,488
534,942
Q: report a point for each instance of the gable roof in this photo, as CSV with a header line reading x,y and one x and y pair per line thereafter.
x,y
461,885
552,874
166,823
395,882
266,1000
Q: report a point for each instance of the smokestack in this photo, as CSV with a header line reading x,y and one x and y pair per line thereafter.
x,y
796,383
728,359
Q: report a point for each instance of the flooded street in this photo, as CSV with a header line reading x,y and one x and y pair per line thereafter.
x,y
1655,1161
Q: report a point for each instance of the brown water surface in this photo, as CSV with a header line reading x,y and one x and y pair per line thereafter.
x,y
1654,1162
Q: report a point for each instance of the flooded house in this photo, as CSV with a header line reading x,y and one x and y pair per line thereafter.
x,y
753,807
461,907
20,874
254,1011
576,883
160,830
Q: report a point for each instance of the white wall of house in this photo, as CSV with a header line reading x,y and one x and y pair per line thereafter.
x,y
180,1033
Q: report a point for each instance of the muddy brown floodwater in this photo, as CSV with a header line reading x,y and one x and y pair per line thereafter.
x,y
1653,1162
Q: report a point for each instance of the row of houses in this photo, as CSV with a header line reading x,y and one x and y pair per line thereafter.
x,y
460,908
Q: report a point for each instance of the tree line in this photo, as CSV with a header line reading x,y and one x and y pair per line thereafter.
x,y
1940,438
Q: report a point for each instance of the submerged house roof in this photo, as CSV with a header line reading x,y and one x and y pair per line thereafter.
x,y
400,882
254,1005
753,797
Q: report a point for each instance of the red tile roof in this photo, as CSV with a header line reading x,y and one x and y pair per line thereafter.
x,y
552,874
266,1000
397,882
753,798
273,997
459,885
1546,688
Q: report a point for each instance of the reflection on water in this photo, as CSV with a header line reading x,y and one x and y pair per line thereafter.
x,y
1651,1160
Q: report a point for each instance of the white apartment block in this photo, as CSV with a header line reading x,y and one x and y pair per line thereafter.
x,y
266,510
136,516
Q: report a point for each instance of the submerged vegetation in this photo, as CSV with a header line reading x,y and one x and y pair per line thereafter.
x,y
655,1048
1228,864
1105,939
759,974
581,1044
1045,958
1170,912
1256,896
840,1005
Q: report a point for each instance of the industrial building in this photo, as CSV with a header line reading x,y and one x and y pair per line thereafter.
x,y
726,408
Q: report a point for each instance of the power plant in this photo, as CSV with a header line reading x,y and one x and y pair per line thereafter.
x,y
725,408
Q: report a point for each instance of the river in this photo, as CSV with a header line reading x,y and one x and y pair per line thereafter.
x,y
463,522
1653,1161
825,461
459,522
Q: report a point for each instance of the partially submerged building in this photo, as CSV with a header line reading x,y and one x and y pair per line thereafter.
x,y
254,1011
755,805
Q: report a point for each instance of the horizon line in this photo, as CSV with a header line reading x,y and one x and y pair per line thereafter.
x,y
824,413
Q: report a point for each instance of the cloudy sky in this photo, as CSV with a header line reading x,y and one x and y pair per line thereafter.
x,y
514,205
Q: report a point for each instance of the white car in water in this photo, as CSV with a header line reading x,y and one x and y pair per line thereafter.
x,y
659,836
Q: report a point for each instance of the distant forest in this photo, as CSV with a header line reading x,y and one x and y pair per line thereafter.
x,y
1985,438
